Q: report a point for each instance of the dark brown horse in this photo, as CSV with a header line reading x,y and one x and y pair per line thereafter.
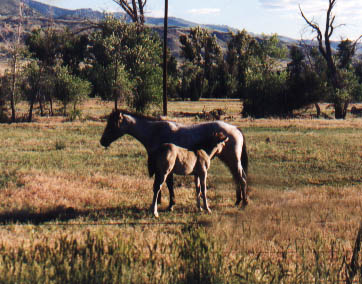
x,y
152,133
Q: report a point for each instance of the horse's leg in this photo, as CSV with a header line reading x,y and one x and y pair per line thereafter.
x,y
198,192
203,178
169,182
159,199
159,180
232,161
151,171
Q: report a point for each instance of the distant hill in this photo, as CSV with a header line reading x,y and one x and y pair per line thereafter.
x,y
40,15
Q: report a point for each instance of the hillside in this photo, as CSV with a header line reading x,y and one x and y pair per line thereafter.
x,y
41,15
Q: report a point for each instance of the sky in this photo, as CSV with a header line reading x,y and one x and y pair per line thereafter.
x,y
256,16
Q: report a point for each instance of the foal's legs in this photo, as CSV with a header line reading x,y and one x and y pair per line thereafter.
x,y
203,178
198,192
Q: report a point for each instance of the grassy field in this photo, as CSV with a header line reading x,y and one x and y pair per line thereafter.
x,y
73,212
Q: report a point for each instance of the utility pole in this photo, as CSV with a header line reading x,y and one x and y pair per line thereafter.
x,y
165,59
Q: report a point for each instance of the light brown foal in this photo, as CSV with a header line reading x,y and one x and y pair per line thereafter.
x,y
172,159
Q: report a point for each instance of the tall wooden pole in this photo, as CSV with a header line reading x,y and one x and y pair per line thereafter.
x,y
165,59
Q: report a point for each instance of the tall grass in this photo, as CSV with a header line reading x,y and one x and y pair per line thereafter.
x,y
191,257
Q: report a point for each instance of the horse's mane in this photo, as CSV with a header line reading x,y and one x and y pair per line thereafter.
x,y
115,113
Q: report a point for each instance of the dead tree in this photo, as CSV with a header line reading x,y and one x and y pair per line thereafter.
x,y
324,46
134,9
14,48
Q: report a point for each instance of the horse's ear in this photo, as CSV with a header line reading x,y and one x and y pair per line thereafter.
x,y
120,116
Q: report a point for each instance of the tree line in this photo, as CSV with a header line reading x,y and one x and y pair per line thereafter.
x,y
122,62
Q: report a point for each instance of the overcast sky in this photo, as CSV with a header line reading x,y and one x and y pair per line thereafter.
x,y
257,16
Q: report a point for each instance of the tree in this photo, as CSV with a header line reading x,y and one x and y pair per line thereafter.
x,y
51,47
339,97
305,86
16,51
345,51
69,88
5,94
130,55
265,92
201,49
30,85
134,9
241,48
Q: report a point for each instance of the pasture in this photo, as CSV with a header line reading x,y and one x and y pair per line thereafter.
x,y
73,212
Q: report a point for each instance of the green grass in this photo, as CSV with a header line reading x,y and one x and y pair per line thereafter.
x,y
73,212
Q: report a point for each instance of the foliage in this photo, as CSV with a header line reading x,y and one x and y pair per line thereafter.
x,y
266,95
69,88
202,53
265,89
51,46
345,53
30,85
192,82
241,49
129,56
9,92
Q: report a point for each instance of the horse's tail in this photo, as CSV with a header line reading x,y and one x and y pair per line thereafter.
x,y
244,155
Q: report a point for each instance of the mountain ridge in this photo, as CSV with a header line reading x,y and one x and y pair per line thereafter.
x,y
37,10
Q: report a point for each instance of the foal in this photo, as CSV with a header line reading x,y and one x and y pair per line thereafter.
x,y
172,159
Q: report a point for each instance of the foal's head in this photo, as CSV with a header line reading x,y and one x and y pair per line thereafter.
x,y
215,144
116,127
219,146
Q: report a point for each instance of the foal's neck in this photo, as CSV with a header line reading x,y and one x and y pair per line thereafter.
x,y
213,152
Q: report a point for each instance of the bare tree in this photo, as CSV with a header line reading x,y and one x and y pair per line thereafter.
x,y
134,9
324,46
15,50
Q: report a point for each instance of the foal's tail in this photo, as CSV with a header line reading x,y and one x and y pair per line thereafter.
x,y
244,155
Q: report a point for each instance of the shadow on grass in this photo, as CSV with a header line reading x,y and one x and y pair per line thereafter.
x,y
63,214
117,216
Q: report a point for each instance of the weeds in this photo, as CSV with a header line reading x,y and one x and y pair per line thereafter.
x,y
60,145
191,257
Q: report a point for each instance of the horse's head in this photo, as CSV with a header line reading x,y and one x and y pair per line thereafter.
x,y
116,127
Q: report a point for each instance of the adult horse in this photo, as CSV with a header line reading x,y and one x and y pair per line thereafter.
x,y
152,133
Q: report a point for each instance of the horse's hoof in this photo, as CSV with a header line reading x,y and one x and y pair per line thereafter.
x,y
208,210
170,208
237,202
155,215
245,203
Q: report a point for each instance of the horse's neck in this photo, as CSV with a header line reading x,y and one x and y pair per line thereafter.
x,y
140,129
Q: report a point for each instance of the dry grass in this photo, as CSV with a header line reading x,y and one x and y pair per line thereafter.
x,y
306,185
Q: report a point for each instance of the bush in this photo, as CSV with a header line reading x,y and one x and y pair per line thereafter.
x,y
70,88
266,95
